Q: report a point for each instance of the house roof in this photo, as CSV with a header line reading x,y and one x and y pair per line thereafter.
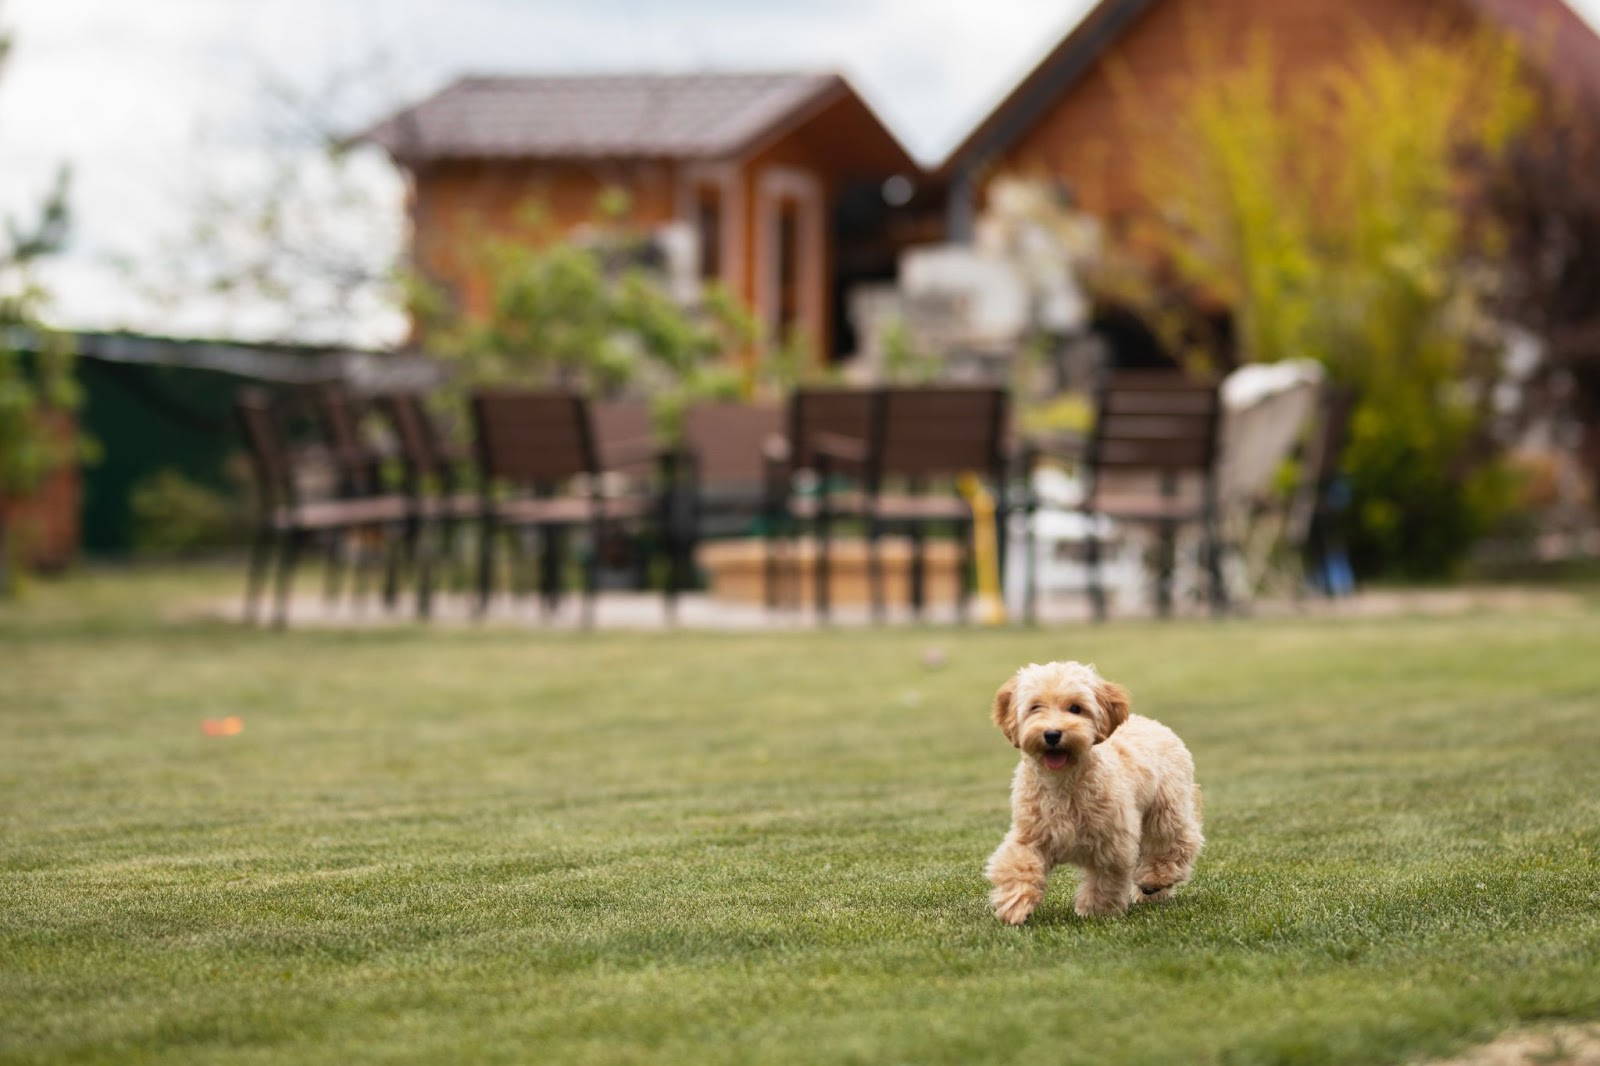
x,y
1562,44
604,116
1056,73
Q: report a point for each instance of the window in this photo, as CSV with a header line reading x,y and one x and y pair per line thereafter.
x,y
708,231
788,306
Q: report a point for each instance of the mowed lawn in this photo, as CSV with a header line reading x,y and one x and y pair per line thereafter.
x,y
527,847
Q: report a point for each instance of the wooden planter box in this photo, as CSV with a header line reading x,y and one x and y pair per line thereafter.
x,y
736,570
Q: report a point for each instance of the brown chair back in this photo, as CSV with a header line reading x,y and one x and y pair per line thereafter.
x,y
337,414
727,440
938,431
269,452
339,418
620,427
1162,422
414,432
841,411
533,436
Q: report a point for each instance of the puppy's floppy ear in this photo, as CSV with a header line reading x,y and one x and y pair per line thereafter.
x,y
1004,716
1114,704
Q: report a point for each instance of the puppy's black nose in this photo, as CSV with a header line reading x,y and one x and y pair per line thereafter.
x,y
1053,737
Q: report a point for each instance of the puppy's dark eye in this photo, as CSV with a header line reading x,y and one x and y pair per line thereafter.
x,y
1076,708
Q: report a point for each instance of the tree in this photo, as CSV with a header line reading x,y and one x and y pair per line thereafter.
x,y
37,384
594,316
1327,213
292,232
1545,196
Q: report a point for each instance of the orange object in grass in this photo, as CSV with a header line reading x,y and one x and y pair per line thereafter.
x,y
222,727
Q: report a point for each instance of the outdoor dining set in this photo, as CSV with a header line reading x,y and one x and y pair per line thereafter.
x,y
556,486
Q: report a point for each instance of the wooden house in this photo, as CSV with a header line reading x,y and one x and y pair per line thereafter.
x,y
794,189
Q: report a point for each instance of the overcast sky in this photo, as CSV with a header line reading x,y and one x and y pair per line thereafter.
x,y
135,93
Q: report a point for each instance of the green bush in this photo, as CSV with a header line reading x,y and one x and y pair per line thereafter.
x,y
173,516
1326,211
591,318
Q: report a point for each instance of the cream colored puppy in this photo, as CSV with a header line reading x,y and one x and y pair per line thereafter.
x,y
1099,788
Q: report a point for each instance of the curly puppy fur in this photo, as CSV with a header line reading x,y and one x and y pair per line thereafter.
x,y
1097,787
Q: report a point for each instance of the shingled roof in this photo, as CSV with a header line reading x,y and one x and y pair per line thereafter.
x,y
603,116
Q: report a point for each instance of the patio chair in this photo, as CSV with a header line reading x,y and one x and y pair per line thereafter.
x,y
288,522
439,501
794,479
1152,461
541,472
726,461
357,470
625,431
356,464
621,429
920,440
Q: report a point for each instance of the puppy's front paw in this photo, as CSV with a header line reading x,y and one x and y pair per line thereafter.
x,y
1014,903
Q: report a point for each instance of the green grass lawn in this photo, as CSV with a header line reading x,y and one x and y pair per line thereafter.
x,y
525,847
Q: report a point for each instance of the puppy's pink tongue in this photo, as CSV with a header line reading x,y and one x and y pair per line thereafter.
x,y
1056,760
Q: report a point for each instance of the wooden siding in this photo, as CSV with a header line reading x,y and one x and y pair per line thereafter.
x,y
454,203
1091,136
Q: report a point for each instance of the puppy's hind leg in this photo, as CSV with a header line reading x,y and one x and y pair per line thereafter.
x,y
1019,873
1172,842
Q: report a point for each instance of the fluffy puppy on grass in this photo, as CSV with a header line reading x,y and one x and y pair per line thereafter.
x,y
1097,787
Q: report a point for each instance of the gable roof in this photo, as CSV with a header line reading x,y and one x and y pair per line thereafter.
x,y
1056,73
603,116
1561,43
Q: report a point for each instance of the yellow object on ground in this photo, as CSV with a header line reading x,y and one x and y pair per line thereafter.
x,y
985,551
